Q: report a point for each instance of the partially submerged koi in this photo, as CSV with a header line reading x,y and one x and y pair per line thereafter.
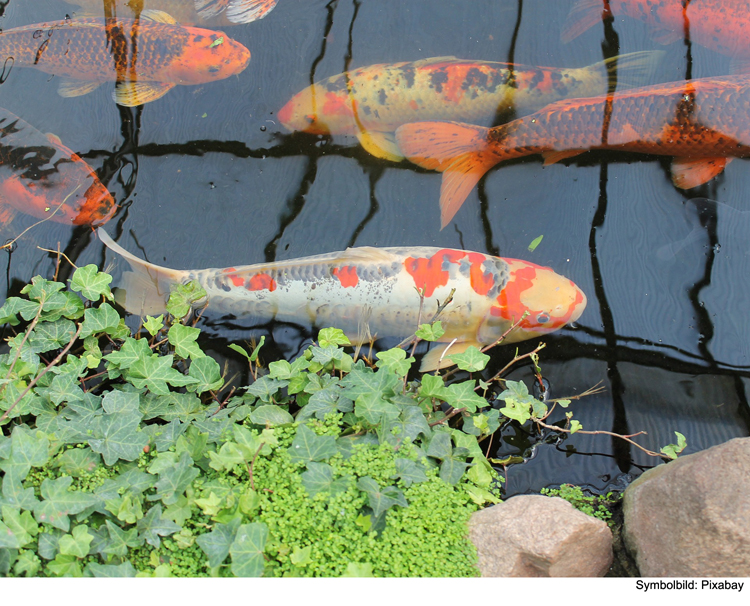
x,y
719,25
41,177
213,13
146,58
378,288
372,102
703,123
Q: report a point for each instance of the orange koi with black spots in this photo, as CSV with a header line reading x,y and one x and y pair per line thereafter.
x,y
41,177
703,123
146,57
374,291
719,25
372,102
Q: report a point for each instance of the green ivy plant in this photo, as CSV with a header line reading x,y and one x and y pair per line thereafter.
x,y
128,455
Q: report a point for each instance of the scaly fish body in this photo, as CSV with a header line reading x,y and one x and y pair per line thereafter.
x,y
719,25
145,57
41,177
377,288
212,13
372,102
703,123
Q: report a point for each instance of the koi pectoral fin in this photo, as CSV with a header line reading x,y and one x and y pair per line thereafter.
x,y
381,145
692,172
552,157
439,357
131,94
76,88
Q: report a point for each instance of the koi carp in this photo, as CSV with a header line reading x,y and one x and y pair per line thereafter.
x,y
377,288
701,122
41,177
146,57
372,102
719,25
213,13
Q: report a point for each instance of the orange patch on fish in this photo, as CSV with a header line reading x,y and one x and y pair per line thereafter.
x,y
261,282
236,280
347,275
480,281
429,274
336,105
414,105
510,305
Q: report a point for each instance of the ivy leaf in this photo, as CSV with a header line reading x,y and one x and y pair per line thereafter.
x,y
374,409
270,415
173,482
167,435
15,495
100,319
58,502
395,360
206,375
20,524
184,340
321,403
91,283
77,544
319,478
440,446
121,402
216,544
131,351
432,386
462,395
14,306
430,332
27,449
410,472
118,436
452,470
184,297
361,382
27,563
671,450
125,569
381,500
247,550
51,335
471,360
535,242
65,566
121,540
308,446
408,426
154,325
155,372
328,337
358,569
265,388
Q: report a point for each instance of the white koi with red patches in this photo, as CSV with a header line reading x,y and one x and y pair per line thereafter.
x,y
379,287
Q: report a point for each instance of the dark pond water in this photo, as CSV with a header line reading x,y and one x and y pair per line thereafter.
x,y
207,177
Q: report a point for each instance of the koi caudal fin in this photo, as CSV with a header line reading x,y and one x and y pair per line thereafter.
x,y
584,15
457,150
145,290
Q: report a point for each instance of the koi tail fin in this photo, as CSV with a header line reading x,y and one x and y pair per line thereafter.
x,y
584,15
145,289
459,151
631,70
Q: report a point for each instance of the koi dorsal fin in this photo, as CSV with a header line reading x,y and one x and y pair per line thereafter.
x,y
366,254
157,16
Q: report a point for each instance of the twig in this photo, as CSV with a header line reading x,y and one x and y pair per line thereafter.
x,y
252,465
513,361
59,254
28,332
41,374
452,414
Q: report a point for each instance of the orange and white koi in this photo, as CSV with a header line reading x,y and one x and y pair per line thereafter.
x,y
378,288
703,123
41,177
212,13
372,102
719,25
146,58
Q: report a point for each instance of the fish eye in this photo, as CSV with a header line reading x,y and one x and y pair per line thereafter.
x,y
542,318
310,119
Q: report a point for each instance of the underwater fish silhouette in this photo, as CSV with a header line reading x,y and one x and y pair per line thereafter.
x,y
719,25
377,287
41,177
146,57
371,102
703,123
213,13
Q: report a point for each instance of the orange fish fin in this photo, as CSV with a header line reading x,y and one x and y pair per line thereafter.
x,y
76,88
7,214
458,150
54,139
151,14
584,15
431,360
630,70
131,94
432,60
692,172
552,157
245,11
381,145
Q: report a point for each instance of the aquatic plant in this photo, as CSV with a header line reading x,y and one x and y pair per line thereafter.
x,y
125,455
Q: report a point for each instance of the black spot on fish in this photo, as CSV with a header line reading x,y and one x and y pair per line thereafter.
x,y
382,96
536,79
366,110
408,74
198,38
339,84
437,79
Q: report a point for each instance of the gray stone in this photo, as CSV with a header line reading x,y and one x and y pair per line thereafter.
x,y
691,517
538,536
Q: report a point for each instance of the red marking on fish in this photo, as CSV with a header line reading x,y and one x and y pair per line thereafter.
x,y
347,275
236,280
261,282
482,282
428,274
336,105
510,306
